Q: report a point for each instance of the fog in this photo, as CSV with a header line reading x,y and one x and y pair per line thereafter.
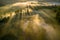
x,y
13,1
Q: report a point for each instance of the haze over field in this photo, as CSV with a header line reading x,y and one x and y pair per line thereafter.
x,y
28,21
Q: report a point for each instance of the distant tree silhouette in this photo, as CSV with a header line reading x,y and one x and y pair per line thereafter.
x,y
4,20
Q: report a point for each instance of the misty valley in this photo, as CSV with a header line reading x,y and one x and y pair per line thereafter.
x,y
31,20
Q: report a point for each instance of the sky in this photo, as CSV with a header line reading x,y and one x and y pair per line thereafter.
x,y
3,2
